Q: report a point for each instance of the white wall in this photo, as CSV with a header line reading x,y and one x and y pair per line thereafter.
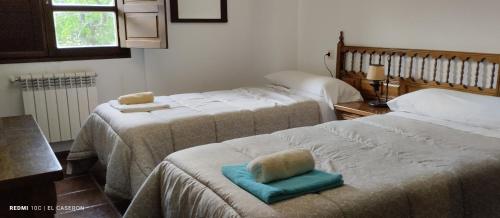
x,y
461,25
261,37
275,37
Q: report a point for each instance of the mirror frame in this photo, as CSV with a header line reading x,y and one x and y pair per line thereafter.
x,y
174,14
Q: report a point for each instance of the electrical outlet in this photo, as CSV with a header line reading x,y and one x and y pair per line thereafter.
x,y
330,54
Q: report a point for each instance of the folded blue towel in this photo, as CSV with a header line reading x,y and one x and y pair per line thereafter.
x,y
310,182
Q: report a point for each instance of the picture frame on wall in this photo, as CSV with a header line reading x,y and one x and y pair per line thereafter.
x,y
196,11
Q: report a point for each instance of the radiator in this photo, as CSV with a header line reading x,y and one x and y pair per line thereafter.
x,y
59,102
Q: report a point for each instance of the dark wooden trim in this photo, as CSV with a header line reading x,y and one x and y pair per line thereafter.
x,y
23,54
498,80
174,14
124,54
84,8
353,110
340,64
44,27
37,11
91,52
50,29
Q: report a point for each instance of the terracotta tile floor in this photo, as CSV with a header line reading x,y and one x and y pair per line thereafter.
x,y
85,192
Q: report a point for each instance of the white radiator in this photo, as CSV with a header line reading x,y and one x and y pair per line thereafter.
x,y
60,102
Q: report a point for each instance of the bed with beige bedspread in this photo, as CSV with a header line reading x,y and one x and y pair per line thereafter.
x,y
130,145
393,166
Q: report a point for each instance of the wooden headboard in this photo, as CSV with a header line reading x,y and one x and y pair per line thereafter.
x,y
414,69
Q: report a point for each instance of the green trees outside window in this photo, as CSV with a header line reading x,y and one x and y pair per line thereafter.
x,y
85,29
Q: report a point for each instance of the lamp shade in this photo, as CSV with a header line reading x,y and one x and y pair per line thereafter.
x,y
376,72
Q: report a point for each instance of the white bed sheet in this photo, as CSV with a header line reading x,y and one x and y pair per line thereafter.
x,y
454,125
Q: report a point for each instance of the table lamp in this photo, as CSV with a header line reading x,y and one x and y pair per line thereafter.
x,y
376,74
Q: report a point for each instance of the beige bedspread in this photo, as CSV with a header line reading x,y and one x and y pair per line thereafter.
x,y
130,145
392,167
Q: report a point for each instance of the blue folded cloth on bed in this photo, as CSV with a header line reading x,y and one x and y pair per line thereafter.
x,y
311,182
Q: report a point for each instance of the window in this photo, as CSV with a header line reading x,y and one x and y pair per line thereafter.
x,y
47,30
78,25
83,29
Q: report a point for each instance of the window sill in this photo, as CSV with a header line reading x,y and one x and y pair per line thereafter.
x,y
125,53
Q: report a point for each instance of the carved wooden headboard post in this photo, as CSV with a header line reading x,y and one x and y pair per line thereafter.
x,y
413,69
498,84
340,64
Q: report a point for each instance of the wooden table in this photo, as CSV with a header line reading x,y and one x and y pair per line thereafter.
x,y
28,169
353,110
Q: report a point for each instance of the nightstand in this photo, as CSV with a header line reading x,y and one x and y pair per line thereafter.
x,y
353,110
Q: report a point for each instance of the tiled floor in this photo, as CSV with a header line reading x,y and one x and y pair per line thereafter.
x,y
86,193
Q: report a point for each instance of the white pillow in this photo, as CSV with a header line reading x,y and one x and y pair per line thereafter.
x,y
332,90
471,109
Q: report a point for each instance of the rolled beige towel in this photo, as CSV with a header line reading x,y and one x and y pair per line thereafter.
x,y
281,165
135,108
137,98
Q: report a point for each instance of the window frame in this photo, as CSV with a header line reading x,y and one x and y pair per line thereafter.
x,y
68,54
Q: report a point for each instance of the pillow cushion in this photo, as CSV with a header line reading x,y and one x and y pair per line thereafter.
x,y
471,109
332,90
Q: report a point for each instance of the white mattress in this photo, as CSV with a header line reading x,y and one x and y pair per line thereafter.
x,y
454,125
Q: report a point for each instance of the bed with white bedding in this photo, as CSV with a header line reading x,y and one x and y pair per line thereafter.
x,y
437,156
420,161
130,145
393,166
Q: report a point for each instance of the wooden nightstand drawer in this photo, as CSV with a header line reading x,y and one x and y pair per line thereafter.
x,y
353,110
341,115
